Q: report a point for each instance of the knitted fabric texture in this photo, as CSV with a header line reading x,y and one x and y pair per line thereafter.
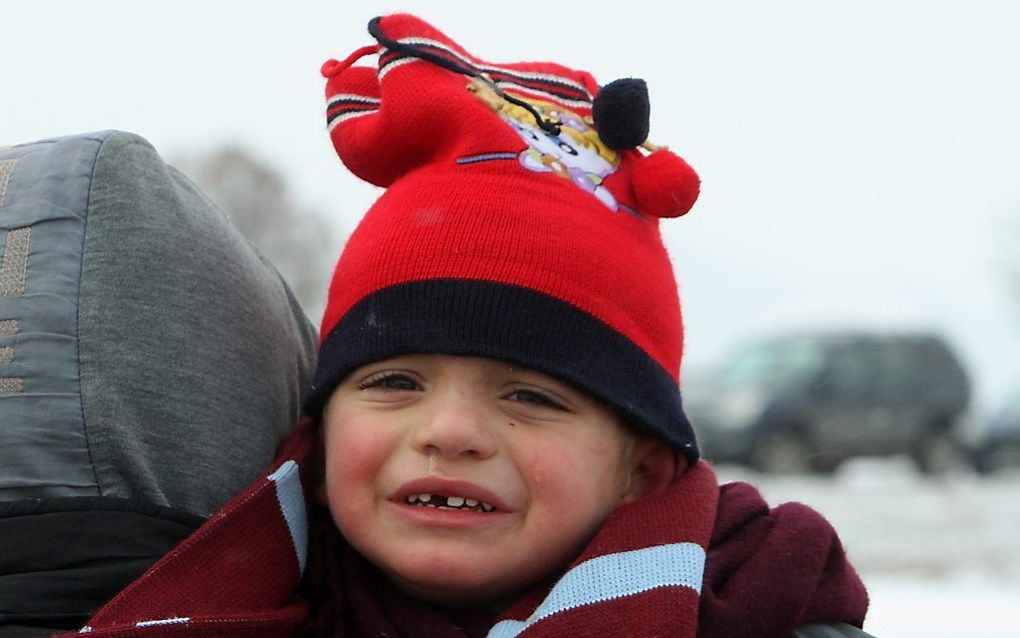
x,y
640,576
506,231
237,574
767,572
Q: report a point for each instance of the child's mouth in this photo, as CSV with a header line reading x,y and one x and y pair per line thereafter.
x,y
438,501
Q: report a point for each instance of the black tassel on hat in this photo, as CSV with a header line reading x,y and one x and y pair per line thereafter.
x,y
621,111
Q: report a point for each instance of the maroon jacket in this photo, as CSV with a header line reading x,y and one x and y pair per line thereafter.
x,y
694,561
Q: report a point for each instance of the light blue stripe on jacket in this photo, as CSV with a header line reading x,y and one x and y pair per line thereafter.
x,y
616,576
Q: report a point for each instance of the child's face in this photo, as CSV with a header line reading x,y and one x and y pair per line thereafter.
x,y
534,466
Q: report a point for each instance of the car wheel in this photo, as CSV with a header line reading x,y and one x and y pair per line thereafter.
x,y
939,454
785,452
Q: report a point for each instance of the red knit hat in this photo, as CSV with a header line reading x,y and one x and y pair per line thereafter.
x,y
520,223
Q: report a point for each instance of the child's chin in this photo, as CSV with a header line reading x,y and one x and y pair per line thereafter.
x,y
455,589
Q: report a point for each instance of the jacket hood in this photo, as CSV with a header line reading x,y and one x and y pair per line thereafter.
x,y
147,351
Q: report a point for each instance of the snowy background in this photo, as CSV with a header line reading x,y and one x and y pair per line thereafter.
x,y
859,165
940,558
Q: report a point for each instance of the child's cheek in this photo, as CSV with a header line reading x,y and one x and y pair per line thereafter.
x,y
551,472
534,469
587,470
354,454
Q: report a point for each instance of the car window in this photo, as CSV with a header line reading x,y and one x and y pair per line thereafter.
x,y
749,366
781,362
900,370
853,369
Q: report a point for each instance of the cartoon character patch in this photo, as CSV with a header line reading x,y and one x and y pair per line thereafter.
x,y
577,153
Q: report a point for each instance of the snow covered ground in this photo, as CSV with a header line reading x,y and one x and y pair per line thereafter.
x,y
941,557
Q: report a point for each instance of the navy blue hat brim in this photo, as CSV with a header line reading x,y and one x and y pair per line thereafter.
x,y
508,323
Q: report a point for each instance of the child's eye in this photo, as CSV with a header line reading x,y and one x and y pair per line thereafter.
x,y
536,398
389,380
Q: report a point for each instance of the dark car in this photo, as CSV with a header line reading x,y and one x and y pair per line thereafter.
x,y
809,401
999,448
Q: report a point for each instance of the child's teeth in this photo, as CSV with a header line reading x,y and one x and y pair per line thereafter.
x,y
451,502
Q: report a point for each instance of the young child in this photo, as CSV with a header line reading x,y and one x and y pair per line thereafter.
x,y
496,400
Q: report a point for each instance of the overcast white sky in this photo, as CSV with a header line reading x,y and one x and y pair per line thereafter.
x,y
859,160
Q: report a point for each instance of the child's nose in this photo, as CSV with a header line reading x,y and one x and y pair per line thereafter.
x,y
456,427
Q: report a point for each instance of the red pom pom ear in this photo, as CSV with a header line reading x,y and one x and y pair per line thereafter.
x,y
664,184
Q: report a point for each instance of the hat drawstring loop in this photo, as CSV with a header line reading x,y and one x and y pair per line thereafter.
x,y
549,126
333,67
